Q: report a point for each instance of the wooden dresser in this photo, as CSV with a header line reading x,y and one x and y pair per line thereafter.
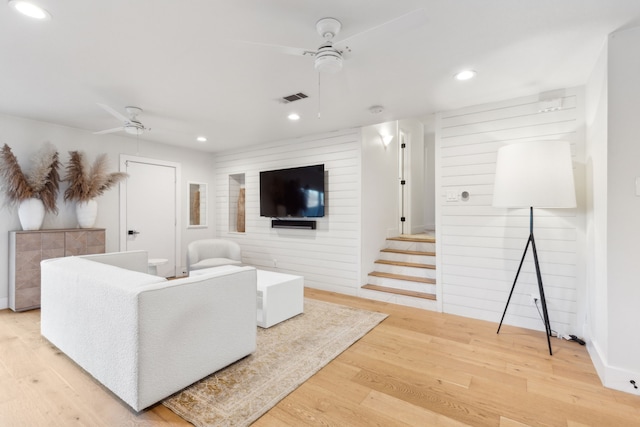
x,y
28,248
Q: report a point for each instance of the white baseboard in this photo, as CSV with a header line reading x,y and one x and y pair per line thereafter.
x,y
4,303
612,376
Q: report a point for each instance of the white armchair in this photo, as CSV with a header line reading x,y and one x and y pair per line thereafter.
x,y
209,253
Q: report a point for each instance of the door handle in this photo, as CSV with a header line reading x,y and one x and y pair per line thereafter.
x,y
132,232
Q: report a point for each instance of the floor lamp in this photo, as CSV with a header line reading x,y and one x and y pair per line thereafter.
x,y
535,174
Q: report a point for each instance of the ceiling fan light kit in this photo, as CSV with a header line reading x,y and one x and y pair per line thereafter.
x,y
328,59
134,128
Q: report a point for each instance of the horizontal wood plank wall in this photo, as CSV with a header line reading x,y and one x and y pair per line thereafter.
x,y
328,257
481,246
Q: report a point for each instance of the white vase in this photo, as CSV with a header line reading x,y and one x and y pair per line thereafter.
x,y
31,214
86,213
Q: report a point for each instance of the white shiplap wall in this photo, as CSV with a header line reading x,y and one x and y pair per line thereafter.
x,y
328,257
479,246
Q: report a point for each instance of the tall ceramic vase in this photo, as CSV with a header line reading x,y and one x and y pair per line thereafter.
x,y
31,214
86,213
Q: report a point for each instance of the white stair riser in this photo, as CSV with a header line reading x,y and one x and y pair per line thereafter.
x,y
402,284
406,271
416,259
411,246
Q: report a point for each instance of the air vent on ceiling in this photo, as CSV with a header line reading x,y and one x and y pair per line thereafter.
x,y
294,97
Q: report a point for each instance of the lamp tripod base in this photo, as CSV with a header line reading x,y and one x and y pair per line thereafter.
x,y
531,241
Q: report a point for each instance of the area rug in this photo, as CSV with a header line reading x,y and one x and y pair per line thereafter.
x,y
287,355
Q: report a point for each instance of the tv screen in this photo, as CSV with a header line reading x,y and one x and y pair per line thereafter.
x,y
294,192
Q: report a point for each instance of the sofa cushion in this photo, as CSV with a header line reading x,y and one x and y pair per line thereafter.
x,y
213,262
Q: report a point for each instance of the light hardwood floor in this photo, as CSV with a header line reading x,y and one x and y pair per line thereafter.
x,y
416,368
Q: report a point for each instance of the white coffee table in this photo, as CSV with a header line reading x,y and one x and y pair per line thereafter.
x,y
154,263
279,296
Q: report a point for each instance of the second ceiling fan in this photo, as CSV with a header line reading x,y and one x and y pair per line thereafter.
x,y
130,124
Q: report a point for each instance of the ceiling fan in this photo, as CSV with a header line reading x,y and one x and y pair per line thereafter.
x,y
328,57
130,124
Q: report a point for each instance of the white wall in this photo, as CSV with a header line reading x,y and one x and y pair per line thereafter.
x,y
25,138
623,213
429,180
380,215
596,113
479,247
614,227
328,257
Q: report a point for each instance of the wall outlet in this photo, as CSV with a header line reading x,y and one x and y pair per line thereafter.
x,y
275,262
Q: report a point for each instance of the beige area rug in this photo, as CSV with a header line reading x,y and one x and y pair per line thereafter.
x,y
287,355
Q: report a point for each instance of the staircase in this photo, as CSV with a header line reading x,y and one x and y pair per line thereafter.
x,y
406,271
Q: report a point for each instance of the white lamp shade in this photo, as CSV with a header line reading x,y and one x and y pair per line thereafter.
x,y
534,174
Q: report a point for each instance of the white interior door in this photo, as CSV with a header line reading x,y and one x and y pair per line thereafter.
x,y
149,220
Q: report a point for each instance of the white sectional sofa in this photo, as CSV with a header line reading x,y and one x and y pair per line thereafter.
x,y
141,336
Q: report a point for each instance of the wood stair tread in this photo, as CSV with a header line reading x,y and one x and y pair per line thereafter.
x,y
405,264
404,292
403,277
402,251
413,239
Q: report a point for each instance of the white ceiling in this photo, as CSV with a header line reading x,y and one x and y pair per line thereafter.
x,y
185,64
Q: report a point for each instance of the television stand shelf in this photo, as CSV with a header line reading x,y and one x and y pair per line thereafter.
x,y
299,224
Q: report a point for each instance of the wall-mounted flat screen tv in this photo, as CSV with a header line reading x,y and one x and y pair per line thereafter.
x,y
294,193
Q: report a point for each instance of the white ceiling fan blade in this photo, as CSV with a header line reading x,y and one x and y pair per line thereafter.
x,y
114,113
386,30
102,132
287,50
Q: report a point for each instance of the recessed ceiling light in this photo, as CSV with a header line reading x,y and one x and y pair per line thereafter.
x,y
29,9
201,139
293,116
465,75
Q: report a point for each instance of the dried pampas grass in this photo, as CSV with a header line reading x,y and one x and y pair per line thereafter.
x,y
89,181
42,182
44,177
